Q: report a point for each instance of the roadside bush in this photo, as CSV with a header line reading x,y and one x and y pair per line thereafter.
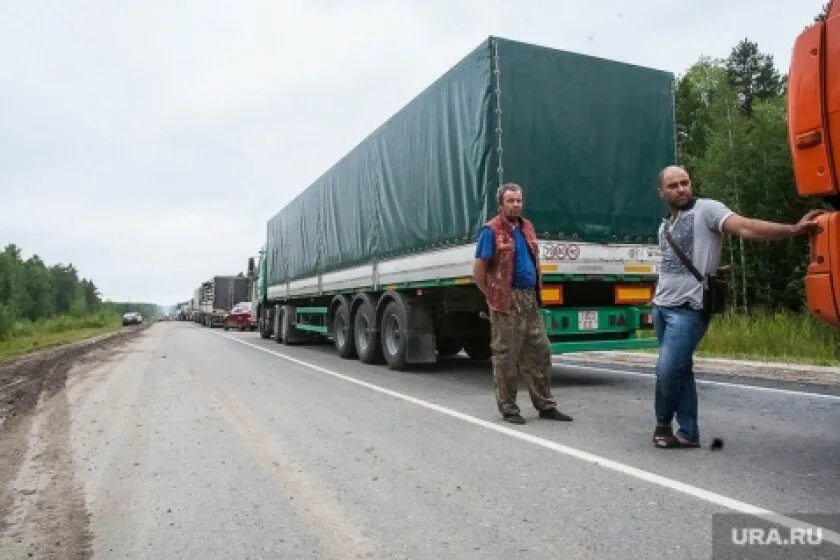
x,y
7,322
24,327
774,335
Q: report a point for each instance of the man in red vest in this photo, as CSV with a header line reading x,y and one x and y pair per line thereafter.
x,y
507,272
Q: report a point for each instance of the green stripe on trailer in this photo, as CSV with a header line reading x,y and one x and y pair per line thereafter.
x,y
311,328
312,319
438,282
596,345
312,310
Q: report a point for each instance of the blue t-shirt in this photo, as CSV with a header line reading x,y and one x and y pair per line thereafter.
x,y
524,269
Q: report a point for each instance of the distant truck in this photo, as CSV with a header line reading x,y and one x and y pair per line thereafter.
x,y
377,254
182,311
215,298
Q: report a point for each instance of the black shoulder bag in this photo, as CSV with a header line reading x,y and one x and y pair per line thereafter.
x,y
714,286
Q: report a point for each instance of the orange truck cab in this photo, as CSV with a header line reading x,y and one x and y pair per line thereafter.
x,y
814,138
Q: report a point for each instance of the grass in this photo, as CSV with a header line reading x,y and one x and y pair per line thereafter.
x,y
778,336
28,336
772,336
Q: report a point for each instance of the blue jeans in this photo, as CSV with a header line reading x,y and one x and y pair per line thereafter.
x,y
679,330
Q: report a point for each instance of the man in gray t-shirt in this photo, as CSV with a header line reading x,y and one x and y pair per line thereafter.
x,y
696,230
697,226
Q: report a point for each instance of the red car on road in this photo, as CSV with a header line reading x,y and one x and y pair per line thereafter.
x,y
240,317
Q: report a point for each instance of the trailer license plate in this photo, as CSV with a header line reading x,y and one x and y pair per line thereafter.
x,y
587,320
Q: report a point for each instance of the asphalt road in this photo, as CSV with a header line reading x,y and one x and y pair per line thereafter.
x,y
196,443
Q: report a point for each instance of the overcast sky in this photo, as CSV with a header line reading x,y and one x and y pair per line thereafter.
x,y
148,142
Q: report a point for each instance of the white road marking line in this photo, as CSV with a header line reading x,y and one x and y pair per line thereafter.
x,y
665,482
704,381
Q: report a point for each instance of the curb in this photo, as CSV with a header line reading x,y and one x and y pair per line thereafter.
x,y
778,371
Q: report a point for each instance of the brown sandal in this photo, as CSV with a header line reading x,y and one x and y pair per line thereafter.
x,y
686,443
664,438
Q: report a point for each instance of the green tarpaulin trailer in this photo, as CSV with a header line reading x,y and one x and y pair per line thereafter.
x,y
395,220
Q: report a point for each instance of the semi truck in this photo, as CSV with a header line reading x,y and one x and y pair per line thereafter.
x,y
183,311
213,299
376,255
814,139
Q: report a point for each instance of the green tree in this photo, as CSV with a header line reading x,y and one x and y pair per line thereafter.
x,y
779,266
720,174
695,95
12,292
66,289
90,294
748,167
38,285
7,322
735,142
753,75
31,290
77,307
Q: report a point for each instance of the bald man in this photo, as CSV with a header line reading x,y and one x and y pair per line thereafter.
x,y
696,226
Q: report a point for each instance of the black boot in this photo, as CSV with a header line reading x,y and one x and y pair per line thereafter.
x,y
554,414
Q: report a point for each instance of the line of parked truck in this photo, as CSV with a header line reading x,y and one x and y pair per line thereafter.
x,y
221,301
376,255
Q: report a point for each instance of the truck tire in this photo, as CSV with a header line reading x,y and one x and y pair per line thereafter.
x,y
287,327
265,332
478,349
365,334
394,334
447,347
277,333
264,323
343,331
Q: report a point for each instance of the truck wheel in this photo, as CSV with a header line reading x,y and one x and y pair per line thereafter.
x,y
394,325
287,327
343,332
478,349
365,334
448,346
277,334
265,332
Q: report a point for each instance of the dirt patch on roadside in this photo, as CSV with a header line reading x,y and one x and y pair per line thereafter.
x,y
42,508
23,379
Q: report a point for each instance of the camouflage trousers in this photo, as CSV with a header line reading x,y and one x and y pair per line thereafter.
x,y
520,347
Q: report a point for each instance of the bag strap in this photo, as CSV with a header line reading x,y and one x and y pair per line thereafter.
x,y
685,260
